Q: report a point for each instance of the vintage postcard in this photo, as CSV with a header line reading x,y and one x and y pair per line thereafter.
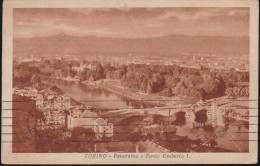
x,y
130,82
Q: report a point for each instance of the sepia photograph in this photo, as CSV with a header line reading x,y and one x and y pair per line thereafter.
x,y
164,80
159,81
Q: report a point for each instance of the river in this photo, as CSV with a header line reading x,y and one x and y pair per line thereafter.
x,y
94,96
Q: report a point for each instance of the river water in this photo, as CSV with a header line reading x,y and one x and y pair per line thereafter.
x,y
94,96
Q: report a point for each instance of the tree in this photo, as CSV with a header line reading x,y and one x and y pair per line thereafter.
x,y
169,92
170,81
242,92
82,76
149,136
236,91
246,92
157,135
150,88
180,119
229,92
201,116
35,79
143,85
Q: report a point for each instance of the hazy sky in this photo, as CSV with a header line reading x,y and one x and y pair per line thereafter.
x,y
131,22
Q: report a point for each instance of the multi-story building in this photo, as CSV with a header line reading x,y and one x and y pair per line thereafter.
x,y
89,119
103,128
51,101
51,120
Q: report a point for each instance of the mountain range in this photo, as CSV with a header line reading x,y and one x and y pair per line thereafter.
x,y
165,45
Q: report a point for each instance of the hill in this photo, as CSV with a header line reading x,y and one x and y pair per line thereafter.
x,y
166,45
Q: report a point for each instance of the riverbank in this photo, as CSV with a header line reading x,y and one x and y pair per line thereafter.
x,y
113,86
64,79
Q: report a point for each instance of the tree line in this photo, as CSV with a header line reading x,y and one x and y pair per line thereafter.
x,y
156,79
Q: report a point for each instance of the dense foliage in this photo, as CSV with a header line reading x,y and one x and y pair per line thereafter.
x,y
164,80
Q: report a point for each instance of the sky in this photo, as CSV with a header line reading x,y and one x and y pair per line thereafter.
x,y
130,22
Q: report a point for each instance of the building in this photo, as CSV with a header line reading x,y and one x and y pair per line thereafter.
x,y
51,101
61,102
39,100
51,120
103,128
89,119
27,91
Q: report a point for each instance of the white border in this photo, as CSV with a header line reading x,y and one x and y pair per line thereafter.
x,y
78,158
